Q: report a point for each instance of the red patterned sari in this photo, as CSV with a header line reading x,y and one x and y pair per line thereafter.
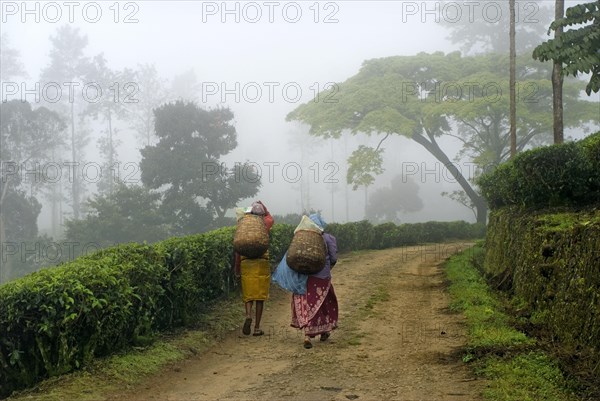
x,y
316,311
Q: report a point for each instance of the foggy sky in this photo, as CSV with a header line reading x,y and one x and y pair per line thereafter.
x,y
176,36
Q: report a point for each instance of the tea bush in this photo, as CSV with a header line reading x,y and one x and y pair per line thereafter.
x,y
559,175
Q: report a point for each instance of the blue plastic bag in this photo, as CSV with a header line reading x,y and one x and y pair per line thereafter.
x,y
288,279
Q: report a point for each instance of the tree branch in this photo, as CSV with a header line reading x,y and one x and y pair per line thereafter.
x,y
521,144
383,139
465,143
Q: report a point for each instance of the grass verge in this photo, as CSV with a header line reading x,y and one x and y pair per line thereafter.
x,y
516,367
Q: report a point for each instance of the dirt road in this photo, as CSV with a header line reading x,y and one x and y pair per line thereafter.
x,y
396,340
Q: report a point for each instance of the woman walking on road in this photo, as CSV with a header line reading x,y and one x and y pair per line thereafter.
x,y
316,311
256,276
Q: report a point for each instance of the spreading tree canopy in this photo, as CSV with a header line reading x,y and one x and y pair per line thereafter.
x,y
427,96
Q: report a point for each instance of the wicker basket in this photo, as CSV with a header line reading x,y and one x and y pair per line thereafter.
x,y
251,238
306,253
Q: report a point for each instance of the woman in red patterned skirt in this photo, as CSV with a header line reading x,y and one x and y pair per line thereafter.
x,y
316,311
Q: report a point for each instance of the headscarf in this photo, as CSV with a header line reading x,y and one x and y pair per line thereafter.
x,y
258,209
318,220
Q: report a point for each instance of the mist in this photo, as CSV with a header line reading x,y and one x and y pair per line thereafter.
x,y
262,60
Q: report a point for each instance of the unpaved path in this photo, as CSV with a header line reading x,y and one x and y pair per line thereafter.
x,y
396,341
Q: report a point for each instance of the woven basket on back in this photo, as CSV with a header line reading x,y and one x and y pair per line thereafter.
x,y
307,252
251,238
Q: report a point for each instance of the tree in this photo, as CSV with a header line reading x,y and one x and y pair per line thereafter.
x,y
19,247
424,97
576,49
490,34
9,60
185,87
402,196
364,163
67,67
129,214
482,121
152,93
53,190
184,165
110,107
300,141
239,182
26,136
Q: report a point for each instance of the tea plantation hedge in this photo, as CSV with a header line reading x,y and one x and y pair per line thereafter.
x,y
543,238
551,261
363,235
559,175
58,319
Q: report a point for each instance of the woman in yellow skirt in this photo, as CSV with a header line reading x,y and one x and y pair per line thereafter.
x,y
256,276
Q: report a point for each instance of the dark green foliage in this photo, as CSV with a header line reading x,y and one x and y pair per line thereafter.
x,y
200,270
557,175
347,237
383,235
55,320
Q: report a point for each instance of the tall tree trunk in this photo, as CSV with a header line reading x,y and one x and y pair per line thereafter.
x,y
513,96
308,194
54,204
346,190
557,80
3,264
4,261
60,209
75,177
111,153
432,147
366,201
54,207
332,192
332,204
148,132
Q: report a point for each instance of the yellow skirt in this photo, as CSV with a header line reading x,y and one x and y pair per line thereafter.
x,y
256,278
